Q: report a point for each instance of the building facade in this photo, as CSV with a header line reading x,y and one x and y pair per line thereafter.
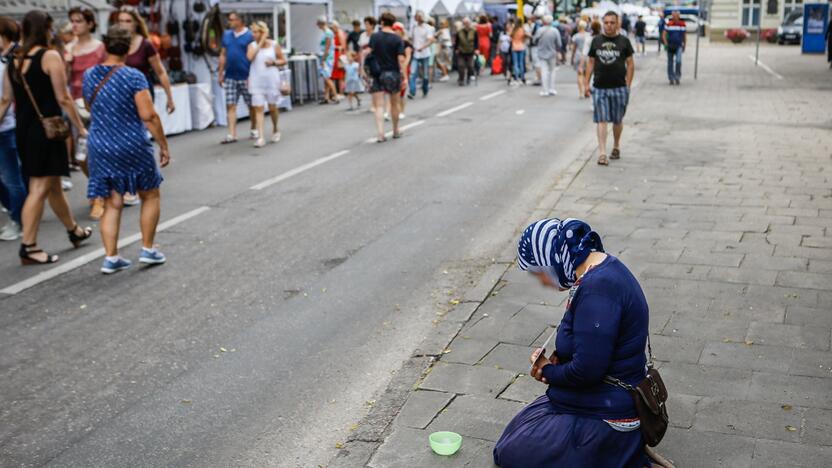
x,y
729,14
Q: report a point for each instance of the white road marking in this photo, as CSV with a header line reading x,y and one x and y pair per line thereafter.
x,y
492,95
766,68
298,170
454,109
520,112
403,128
70,265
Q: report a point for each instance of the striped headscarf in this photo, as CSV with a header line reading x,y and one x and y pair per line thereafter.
x,y
557,248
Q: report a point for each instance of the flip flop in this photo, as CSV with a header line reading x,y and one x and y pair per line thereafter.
x,y
228,139
602,160
396,136
616,153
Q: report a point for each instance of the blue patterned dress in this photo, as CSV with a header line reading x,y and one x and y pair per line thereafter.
x,y
120,154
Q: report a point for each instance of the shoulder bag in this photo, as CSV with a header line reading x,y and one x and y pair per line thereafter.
x,y
650,396
55,127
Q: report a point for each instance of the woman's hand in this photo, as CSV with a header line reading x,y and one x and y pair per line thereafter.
x,y
171,106
83,133
539,361
164,156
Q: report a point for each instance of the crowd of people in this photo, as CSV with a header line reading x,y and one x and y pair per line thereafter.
x,y
61,103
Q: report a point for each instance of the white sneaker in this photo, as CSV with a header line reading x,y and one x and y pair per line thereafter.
x,y
253,134
130,199
66,184
276,137
402,116
260,143
387,116
544,93
553,93
445,78
10,232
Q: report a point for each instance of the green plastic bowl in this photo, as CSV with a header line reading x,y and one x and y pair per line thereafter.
x,y
445,443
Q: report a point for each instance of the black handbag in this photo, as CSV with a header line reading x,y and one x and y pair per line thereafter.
x,y
650,397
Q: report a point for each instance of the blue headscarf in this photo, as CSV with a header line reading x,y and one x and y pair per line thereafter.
x,y
557,248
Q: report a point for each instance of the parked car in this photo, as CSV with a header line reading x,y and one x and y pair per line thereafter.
x,y
651,30
791,31
691,23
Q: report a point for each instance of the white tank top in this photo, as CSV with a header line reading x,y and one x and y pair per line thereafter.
x,y
264,79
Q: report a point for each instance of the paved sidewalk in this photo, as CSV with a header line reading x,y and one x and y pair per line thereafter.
x,y
722,207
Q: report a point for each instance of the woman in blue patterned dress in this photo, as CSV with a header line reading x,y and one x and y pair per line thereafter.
x,y
120,152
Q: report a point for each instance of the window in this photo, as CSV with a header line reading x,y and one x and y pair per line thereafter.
x,y
750,12
792,5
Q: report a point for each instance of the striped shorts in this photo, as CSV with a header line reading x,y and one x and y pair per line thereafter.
x,y
609,104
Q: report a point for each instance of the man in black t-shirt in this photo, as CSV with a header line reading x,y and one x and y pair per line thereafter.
x,y
641,27
611,61
386,62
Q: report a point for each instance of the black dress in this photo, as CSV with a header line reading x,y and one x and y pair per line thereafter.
x,y
40,157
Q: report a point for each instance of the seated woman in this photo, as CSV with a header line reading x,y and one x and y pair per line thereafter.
x,y
581,421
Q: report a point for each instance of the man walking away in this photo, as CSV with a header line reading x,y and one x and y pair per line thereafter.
x,y
611,62
466,43
233,73
641,27
548,44
423,37
674,38
386,61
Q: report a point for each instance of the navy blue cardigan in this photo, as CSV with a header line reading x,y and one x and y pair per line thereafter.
x,y
604,331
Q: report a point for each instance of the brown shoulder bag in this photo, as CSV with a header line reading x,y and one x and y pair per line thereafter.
x,y
650,396
56,128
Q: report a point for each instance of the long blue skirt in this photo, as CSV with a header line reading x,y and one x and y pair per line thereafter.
x,y
540,437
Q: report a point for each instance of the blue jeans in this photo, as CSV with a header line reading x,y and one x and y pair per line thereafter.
x,y
422,68
518,62
674,64
12,190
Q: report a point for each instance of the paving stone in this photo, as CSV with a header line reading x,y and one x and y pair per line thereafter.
x,y
695,449
702,329
715,235
406,447
510,357
804,280
681,409
791,389
544,314
820,266
685,272
524,389
811,363
743,275
476,416
777,454
459,378
761,295
789,335
743,356
809,316
438,338
508,331
538,342
818,242
694,379
468,351
503,307
486,282
764,262
694,257
817,427
676,349
421,407
748,418
799,251
462,312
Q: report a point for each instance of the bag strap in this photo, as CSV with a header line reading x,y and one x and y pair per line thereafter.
x,y
101,85
31,97
608,379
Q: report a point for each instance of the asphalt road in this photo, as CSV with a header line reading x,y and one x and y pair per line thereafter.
x,y
281,311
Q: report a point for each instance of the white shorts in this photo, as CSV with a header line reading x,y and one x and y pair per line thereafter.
x,y
260,99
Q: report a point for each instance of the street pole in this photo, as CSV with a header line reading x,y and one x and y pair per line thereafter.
x,y
696,57
757,53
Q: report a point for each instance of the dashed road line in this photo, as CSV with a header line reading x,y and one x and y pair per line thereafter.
x,y
492,95
454,109
298,170
766,68
70,265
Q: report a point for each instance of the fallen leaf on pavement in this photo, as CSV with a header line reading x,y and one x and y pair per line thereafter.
x,y
786,407
791,428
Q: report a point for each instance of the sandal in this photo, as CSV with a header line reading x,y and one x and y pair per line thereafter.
x,y
602,160
228,139
75,238
616,154
396,136
381,140
26,258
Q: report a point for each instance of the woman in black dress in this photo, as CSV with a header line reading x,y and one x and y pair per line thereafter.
x,y
44,160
